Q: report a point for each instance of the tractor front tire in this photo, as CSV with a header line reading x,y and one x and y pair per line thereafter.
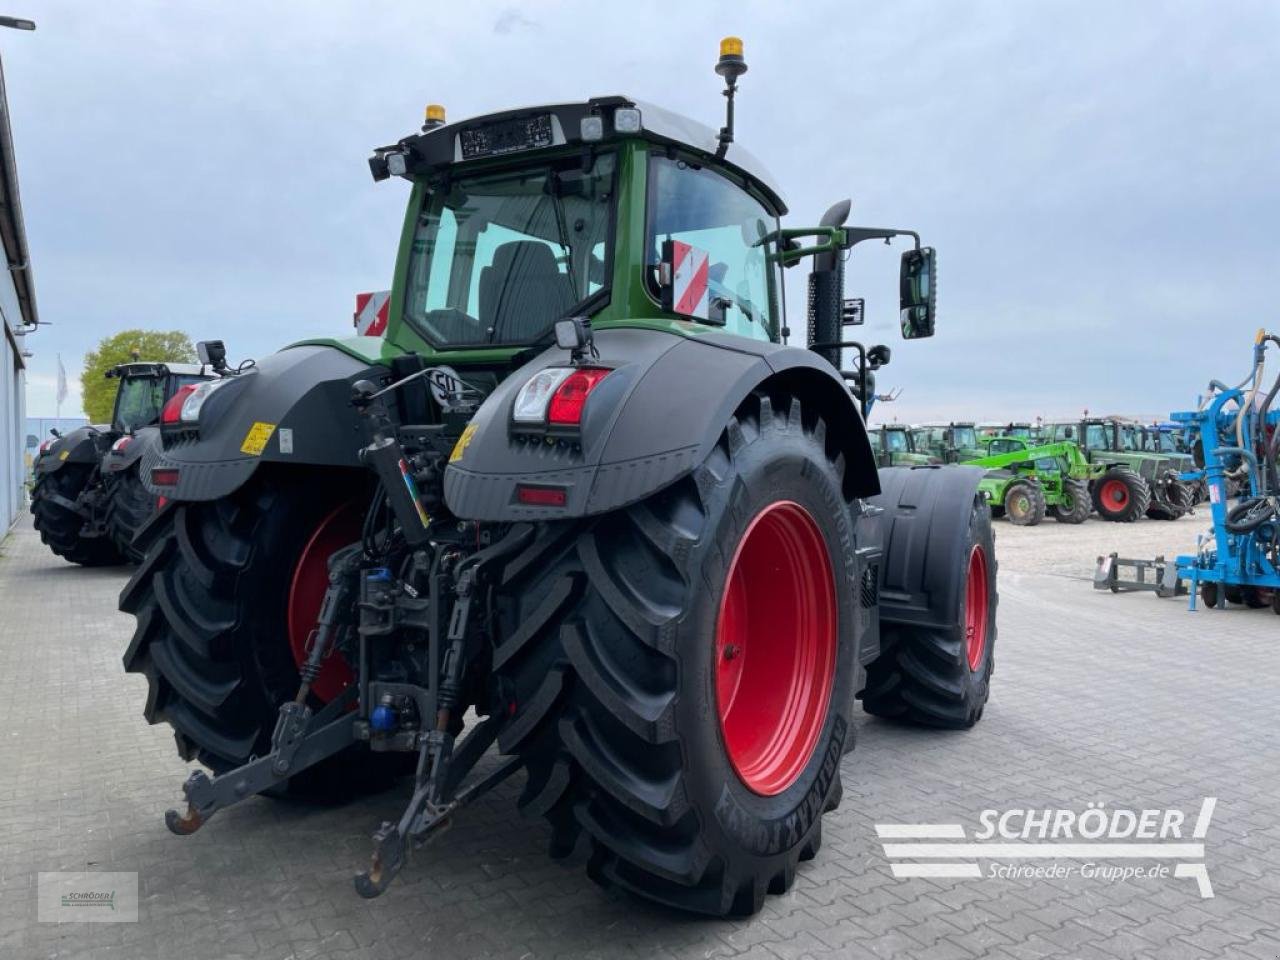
x,y
59,528
222,597
680,671
1076,504
1024,503
129,506
940,676
1120,495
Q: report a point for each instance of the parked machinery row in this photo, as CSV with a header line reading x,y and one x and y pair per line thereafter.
x,y
1120,469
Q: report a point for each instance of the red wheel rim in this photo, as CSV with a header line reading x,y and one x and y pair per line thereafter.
x,y
775,649
975,607
1115,493
306,592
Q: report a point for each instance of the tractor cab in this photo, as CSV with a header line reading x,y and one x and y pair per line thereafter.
x,y
612,212
950,442
144,390
895,447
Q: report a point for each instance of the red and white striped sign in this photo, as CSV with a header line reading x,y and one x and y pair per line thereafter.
x,y
689,280
371,313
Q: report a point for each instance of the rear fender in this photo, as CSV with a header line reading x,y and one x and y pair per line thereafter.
x,y
82,445
294,407
121,457
648,423
921,532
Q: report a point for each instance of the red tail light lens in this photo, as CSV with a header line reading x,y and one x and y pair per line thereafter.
x,y
565,408
164,477
172,412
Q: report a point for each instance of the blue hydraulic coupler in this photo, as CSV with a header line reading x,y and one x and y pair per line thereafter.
x,y
383,719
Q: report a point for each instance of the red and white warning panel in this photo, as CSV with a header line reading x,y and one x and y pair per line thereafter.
x,y
689,267
371,313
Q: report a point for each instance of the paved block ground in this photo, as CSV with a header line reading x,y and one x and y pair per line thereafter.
x,y
1124,700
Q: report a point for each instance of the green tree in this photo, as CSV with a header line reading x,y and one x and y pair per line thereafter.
x,y
99,393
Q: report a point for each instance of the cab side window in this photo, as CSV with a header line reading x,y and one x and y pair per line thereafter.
x,y
712,213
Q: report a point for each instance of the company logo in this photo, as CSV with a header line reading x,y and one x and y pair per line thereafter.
x,y
90,898
1095,843
87,897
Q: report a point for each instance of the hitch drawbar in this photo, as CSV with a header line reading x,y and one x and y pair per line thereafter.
x,y
1160,576
303,738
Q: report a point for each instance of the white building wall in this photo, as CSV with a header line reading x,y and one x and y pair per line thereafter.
x,y
12,417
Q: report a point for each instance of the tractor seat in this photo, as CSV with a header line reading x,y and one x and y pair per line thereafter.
x,y
523,292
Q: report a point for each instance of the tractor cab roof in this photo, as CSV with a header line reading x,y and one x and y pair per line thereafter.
x,y
155,369
530,130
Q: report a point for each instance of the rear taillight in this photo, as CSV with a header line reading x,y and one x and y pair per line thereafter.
x,y
556,396
565,408
172,412
164,477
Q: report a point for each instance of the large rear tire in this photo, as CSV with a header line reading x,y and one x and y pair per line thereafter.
x,y
1120,495
681,671
940,676
128,507
60,528
218,609
1180,500
1076,504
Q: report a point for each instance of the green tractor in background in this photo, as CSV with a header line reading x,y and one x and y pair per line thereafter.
x,y
581,514
895,446
950,442
1169,440
1026,479
1133,483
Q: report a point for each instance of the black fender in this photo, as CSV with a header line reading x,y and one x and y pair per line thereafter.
x,y
924,520
82,445
646,425
294,407
121,456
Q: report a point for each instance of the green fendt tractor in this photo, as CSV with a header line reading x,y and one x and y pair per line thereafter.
x,y
895,447
1026,479
948,442
1134,482
581,507
88,499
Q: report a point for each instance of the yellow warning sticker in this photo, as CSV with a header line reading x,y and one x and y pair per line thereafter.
x,y
464,441
255,441
64,454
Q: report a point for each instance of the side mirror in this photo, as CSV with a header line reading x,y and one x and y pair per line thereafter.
x,y
212,353
918,292
878,356
54,432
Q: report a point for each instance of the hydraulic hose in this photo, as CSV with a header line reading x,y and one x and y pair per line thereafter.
x,y
1272,481
1249,514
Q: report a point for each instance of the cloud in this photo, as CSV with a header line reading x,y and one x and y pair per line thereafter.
x,y
1098,179
512,20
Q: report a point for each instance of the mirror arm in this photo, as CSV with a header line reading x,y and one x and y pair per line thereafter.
x,y
855,235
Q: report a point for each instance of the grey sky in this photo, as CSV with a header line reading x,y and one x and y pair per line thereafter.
x,y
1100,179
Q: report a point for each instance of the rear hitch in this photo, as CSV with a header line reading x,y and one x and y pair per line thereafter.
x,y
330,730
435,799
